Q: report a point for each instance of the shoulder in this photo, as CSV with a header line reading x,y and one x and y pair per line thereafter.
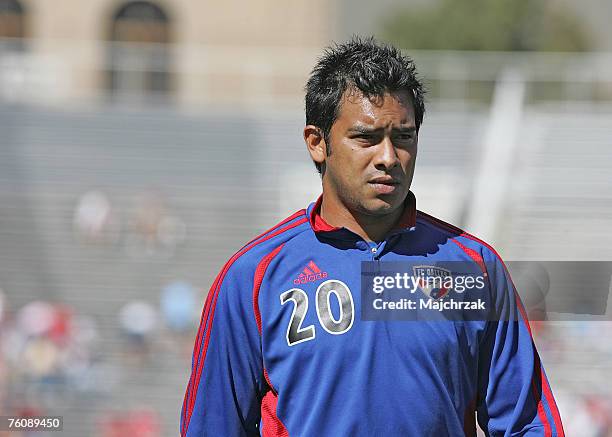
x,y
465,240
246,260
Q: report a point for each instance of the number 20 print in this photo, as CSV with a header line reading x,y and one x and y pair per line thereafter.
x,y
296,333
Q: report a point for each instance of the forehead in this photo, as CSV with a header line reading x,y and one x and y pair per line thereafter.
x,y
390,108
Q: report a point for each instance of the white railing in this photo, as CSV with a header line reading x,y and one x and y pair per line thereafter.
x,y
62,71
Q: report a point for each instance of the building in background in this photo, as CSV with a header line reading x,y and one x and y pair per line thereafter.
x,y
183,51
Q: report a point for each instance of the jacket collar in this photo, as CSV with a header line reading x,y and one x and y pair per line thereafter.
x,y
407,220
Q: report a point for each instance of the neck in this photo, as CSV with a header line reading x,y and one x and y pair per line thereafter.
x,y
369,227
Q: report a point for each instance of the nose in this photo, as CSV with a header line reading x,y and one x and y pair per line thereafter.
x,y
386,156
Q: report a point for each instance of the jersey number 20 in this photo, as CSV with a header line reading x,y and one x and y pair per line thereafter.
x,y
296,333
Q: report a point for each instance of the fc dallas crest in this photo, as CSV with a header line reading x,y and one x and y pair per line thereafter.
x,y
434,281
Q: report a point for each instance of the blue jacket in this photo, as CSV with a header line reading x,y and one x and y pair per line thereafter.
x,y
273,358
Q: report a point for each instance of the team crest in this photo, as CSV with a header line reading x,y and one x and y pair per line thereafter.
x,y
434,282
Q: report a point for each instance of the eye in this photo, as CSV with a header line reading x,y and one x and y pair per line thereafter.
x,y
404,137
365,138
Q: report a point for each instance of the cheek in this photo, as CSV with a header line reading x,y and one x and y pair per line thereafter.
x,y
408,158
351,160
348,171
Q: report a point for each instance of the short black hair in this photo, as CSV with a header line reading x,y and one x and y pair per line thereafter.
x,y
364,64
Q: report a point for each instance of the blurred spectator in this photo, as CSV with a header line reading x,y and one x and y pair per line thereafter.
x,y
41,361
43,336
154,230
80,364
61,325
94,218
179,306
36,318
138,320
149,212
52,349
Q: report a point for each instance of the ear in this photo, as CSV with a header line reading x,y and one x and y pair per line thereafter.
x,y
315,143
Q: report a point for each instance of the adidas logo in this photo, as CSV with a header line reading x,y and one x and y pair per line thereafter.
x,y
311,273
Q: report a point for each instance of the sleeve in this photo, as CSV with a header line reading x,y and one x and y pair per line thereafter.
x,y
226,384
514,396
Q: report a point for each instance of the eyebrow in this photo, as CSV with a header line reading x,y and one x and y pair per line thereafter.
x,y
368,130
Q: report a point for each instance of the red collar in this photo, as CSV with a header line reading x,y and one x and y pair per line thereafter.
x,y
407,220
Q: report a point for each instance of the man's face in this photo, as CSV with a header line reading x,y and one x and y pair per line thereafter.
x,y
373,151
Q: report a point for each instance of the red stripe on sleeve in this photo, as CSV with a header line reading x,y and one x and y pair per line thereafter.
x,y
539,373
196,352
278,225
472,254
552,404
260,271
208,327
204,318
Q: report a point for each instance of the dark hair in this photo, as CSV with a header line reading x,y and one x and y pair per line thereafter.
x,y
364,64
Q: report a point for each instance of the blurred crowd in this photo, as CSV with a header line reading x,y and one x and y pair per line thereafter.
x,y
577,356
52,356
147,228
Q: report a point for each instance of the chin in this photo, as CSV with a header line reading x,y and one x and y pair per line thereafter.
x,y
381,206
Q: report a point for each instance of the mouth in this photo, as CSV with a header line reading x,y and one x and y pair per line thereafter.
x,y
384,184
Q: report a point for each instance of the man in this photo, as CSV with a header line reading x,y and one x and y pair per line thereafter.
x,y
281,349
